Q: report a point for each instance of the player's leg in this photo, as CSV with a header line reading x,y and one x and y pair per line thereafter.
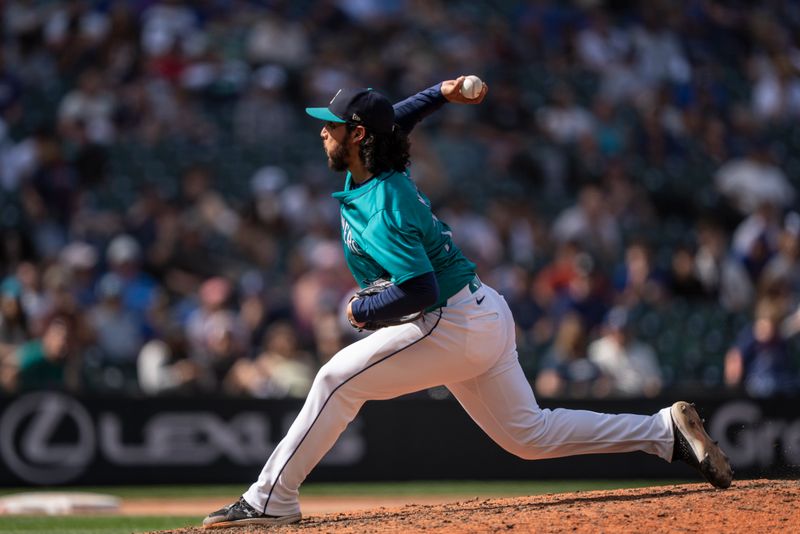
x,y
391,362
502,403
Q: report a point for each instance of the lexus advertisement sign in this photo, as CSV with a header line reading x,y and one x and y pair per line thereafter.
x,y
51,438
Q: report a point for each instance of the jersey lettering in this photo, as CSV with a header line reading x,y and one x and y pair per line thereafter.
x,y
347,237
447,233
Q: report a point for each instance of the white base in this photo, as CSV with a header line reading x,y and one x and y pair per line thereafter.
x,y
57,503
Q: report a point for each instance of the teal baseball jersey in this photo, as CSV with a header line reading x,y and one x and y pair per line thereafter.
x,y
389,231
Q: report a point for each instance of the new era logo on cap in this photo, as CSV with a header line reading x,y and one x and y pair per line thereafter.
x,y
362,106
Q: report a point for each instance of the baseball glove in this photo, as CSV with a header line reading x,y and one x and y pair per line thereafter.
x,y
379,286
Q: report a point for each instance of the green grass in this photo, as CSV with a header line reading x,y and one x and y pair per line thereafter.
x,y
491,488
91,524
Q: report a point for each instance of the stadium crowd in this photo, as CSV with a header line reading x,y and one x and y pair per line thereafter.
x,y
629,185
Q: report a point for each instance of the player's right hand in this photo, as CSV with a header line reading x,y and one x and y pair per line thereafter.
x,y
451,90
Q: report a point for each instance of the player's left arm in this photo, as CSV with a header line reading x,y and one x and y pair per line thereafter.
x,y
411,296
402,255
409,112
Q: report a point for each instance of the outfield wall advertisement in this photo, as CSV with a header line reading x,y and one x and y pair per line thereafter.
x,y
51,438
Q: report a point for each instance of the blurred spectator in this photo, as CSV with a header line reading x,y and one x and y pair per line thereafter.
x,y
683,281
163,366
260,307
515,285
34,302
760,361
720,272
118,331
89,106
638,280
585,295
776,91
274,40
610,133
656,143
124,256
784,267
556,276
600,45
764,224
10,94
659,54
590,224
627,200
18,160
620,82
474,233
206,205
323,284
46,363
263,115
565,121
49,195
566,370
167,24
754,180
631,366
13,322
223,349
81,259
282,370
214,296
330,335
755,258
61,302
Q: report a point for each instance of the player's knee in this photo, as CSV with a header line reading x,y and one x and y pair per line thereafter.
x,y
527,449
329,378
526,443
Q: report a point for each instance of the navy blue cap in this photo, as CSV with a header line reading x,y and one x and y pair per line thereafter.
x,y
366,107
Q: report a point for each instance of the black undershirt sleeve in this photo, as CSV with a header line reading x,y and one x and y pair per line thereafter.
x,y
411,296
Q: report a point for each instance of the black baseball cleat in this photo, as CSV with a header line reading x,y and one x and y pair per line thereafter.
x,y
241,513
695,447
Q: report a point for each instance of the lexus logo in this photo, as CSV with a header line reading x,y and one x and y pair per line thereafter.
x,y
47,438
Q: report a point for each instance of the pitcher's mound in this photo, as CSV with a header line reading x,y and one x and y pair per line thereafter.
x,y
747,507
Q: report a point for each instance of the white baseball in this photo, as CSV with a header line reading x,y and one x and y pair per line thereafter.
x,y
472,87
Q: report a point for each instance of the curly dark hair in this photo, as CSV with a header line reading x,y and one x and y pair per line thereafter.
x,y
384,152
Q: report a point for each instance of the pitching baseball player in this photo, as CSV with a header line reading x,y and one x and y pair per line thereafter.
x,y
436,323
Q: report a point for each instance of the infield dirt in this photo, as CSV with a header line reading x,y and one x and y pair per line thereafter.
x,y
752,506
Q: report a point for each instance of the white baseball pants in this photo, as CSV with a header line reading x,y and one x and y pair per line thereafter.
x,y
469,346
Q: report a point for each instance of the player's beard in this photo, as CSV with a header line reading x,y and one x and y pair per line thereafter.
x,y
337,158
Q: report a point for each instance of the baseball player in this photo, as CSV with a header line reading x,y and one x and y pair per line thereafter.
x,y
465,338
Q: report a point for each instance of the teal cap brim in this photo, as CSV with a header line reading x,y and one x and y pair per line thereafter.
x,y
324,114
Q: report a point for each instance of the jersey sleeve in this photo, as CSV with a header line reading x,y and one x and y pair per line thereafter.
x,y
413,109
395,245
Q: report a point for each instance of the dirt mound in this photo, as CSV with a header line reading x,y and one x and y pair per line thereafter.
x,y
748,506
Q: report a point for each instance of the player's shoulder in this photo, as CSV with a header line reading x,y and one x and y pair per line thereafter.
x,y
398,180
395,187
396,198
